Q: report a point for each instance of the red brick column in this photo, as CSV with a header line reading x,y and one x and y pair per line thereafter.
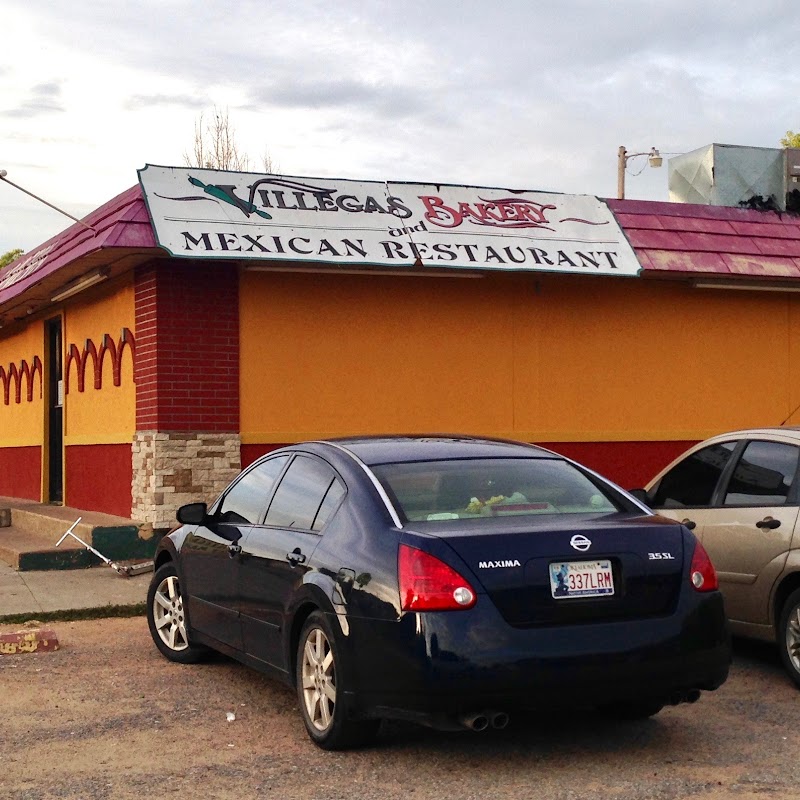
x,y
187,346
187,444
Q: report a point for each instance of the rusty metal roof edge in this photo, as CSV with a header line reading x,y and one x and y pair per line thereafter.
x,y
121,223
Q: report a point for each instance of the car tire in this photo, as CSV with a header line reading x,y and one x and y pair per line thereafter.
x,y
321,678
632,710
166,618
789,635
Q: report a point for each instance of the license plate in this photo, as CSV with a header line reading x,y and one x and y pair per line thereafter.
x,y
581,579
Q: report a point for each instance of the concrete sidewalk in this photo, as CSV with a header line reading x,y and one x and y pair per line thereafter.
x,y
96,589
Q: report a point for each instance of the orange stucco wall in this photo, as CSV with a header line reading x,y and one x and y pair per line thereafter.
x,y
100,400
21,423
101,413
543,358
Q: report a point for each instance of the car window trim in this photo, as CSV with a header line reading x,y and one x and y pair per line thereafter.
x,y
278,479
721,489
336,477
373,479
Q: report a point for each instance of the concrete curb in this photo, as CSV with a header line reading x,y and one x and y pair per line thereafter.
x,y
69,594
76,614
28,641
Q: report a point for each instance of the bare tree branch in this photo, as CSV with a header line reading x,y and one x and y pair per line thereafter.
x,y
215,146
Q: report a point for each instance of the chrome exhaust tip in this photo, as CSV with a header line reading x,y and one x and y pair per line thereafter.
x,y
475,722
499,720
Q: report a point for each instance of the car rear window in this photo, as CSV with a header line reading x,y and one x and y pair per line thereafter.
x,y
470,488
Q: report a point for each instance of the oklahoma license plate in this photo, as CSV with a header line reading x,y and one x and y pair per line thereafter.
x,y
581,579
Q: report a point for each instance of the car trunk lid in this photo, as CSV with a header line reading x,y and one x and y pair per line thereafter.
x,y
623,566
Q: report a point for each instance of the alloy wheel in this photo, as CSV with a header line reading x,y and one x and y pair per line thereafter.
x,y
793,637
318,674
168,614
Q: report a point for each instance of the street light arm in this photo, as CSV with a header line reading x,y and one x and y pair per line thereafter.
x,y
3,177
623,156
652,152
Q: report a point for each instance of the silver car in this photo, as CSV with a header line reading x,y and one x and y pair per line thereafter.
x,y
739,493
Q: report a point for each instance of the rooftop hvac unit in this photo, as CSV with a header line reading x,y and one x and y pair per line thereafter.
x,y
731,175
792,159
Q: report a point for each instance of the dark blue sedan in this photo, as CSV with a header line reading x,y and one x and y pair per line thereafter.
x,y
453,582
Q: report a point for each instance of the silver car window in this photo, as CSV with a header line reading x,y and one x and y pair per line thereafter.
x,y
693,480
764,475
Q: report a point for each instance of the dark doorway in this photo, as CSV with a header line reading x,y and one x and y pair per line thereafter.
x,y
55,412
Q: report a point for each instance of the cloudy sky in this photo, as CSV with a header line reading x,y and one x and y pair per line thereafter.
x,y
514,94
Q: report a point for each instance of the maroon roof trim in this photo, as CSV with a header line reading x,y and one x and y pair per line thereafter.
x,y
121,223
669,239
680,239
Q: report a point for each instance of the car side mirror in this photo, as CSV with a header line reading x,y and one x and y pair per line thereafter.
x,y
192,514
641,495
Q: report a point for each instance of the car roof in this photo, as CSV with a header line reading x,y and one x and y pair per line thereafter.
x,y
398,449
789,431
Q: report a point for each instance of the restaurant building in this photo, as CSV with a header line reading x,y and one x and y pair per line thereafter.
x,y
203,318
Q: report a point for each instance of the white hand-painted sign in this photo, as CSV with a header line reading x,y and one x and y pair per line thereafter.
x,y
208,213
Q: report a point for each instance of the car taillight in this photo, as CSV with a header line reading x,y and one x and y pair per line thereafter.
x,y
702,573
428,584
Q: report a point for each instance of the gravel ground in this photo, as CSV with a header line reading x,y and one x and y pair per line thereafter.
x,y
107,718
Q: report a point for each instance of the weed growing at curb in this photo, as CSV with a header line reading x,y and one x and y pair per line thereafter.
x,y
76,614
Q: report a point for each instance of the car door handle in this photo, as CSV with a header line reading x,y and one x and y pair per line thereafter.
x,y
768,523
689,523
234,550
295,557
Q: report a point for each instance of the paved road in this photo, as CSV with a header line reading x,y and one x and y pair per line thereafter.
x,y
106,717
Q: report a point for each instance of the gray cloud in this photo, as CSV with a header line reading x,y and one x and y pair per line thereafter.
x,y
188,101
44,98
520,93
391,101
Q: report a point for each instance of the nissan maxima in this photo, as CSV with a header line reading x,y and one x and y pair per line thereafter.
x,y
452,582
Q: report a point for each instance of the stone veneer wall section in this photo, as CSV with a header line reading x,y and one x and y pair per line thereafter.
x,y
171,469
187,444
